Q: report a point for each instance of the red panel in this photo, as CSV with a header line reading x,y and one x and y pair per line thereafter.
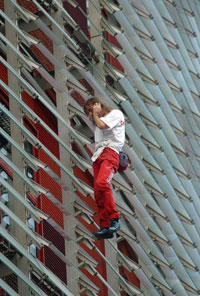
x,y
42,134
84,176
12,281
29,124
88,179
52,261
53,236
42,59
50,209
3,73
87,86
111,60
4,97
101,268
46,181
114,62
42,177
55,264
6,168
130,276
126,249
4,78
41,111
77,15
34,199
46,159
2,5
51,94
79,99
0,223
112,40
49,142
2,292
46,41
28,5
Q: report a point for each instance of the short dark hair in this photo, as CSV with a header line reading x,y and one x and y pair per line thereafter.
x,y
95,100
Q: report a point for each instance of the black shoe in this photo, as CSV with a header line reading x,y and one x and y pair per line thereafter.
x,y
103,233
114,225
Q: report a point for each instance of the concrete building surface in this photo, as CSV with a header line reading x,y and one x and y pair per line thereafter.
x,y
142,57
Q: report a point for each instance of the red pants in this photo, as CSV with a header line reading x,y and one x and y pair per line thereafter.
x,y
104,168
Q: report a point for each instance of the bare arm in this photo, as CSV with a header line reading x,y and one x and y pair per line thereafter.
x,y
100,123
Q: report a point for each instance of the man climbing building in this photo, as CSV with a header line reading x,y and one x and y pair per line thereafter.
x,y
109,140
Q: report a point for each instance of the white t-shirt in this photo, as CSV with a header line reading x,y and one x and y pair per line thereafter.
x,y
112,137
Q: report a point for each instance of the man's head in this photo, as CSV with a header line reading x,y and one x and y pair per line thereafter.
x,y
89,104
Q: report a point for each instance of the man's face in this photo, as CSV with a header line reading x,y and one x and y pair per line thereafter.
x,y
89,110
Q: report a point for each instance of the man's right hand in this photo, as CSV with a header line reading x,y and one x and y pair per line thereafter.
x,y
96,109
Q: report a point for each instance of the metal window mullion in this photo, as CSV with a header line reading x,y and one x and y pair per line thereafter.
x,y
85,73
136,120
21,11
8,288
40,241
91,23
82,140
138,144
176,204
21,275
147,235
147,264
35,262
20,149
19,173
67,261
47,151
170,154
68,16
185,57
60,65
102,280
35,85
39,120
96,8
61,207
21,199
71,41
147,226
54,249
16,28
102,78
41,99
31,64
169,231
54,279
42,71
67,237
181,31
19,248
138,271
172,178
113,269
19,54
